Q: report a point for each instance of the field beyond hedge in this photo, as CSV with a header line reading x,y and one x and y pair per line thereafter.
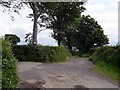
x,y
41,53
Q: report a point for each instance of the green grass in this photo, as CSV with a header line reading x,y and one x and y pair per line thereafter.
x,y
108,71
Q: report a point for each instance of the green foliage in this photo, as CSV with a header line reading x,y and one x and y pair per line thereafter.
x,y
62,15
9,73
108,54
41,53
13,39
28,38
107,59
56,15
108,70
91,51
74,53
86,33
114,59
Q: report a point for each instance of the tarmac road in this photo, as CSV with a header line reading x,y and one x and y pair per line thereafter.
x,y
76,71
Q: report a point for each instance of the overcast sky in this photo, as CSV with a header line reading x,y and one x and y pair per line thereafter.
x,y
104,11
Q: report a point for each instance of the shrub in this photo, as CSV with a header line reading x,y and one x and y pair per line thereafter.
x,y
9,73
91,51
114,59
107,60
107,54
40,53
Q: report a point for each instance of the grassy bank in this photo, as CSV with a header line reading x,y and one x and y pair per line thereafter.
x,y
108,71
107,60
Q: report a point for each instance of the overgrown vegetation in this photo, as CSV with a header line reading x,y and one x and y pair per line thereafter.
x,y
9,73
107,60
41,53
84,33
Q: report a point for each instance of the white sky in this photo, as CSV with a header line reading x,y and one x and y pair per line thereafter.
x,y
104,11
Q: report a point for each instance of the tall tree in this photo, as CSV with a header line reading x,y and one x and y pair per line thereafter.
x,y
38,12
87,33
61,15
37,9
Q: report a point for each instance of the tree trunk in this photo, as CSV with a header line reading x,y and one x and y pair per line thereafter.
x,y
36,14
34,39
69,43
59,42
59,38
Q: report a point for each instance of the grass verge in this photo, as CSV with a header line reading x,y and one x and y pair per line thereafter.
x,y
108,71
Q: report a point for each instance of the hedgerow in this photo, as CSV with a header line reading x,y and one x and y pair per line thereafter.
x,y
9,72
107,54
41,53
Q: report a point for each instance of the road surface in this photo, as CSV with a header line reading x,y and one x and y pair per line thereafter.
x,y
76,71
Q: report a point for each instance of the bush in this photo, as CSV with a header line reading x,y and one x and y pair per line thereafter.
x,y
107,54
114,59
107,60
9,73
91,51
40,53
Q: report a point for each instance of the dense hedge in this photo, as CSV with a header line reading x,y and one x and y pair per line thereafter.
x,y
9,73
40,53
108,54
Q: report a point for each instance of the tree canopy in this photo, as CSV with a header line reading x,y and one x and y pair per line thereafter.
x,y
69,27
61,15
84,34
56,15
